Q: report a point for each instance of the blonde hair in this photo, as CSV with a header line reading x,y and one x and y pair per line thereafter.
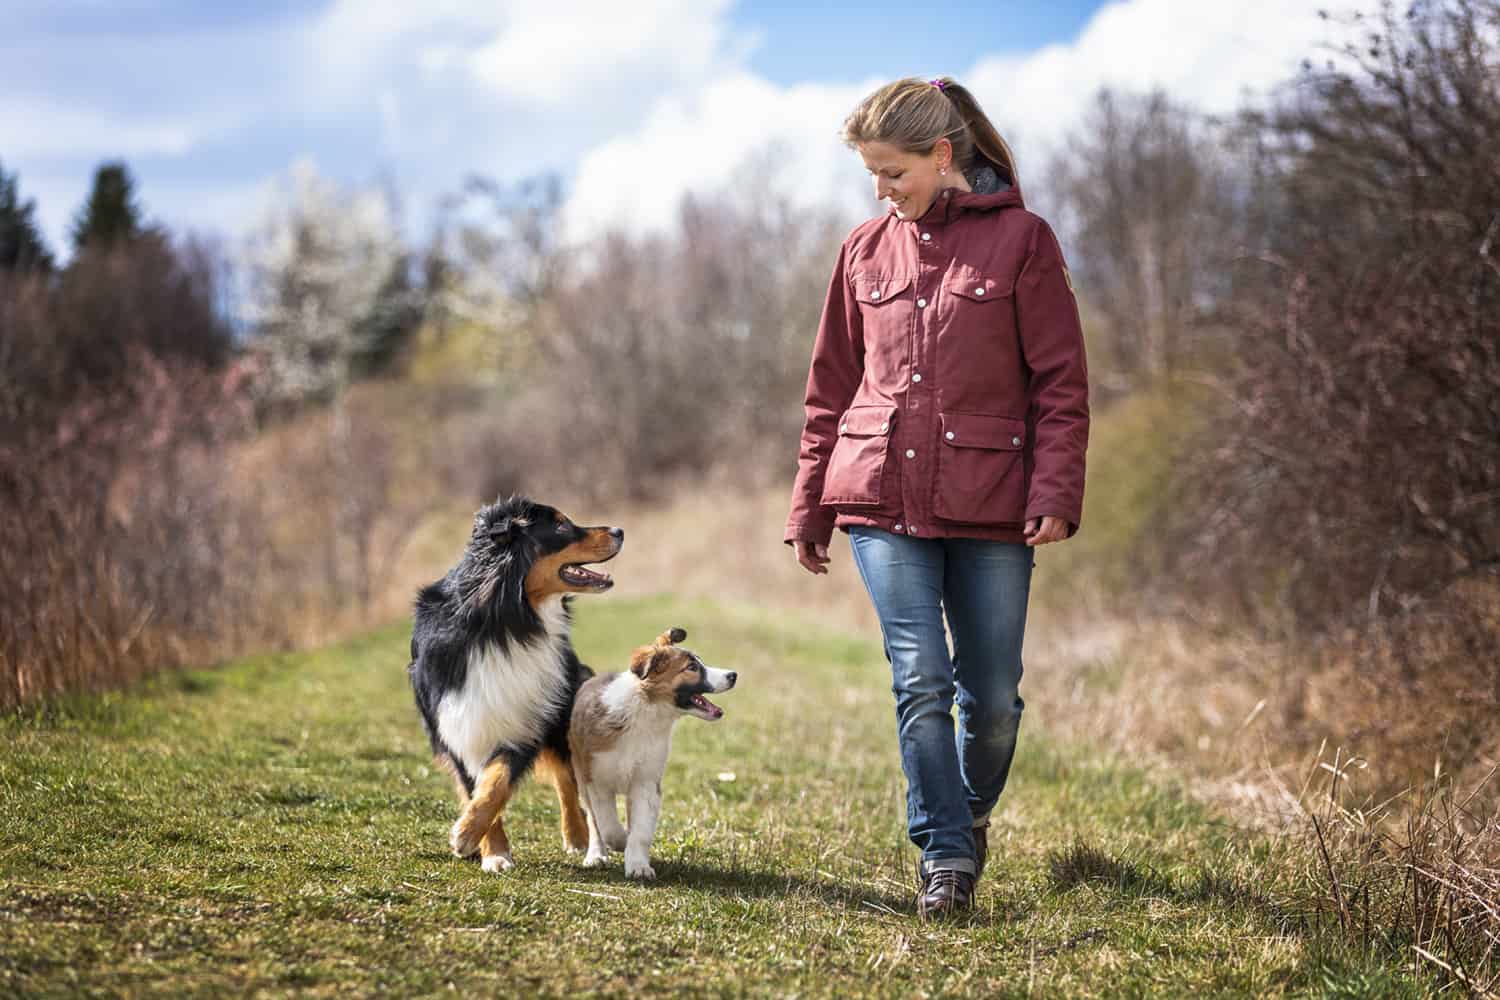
x,y
913,114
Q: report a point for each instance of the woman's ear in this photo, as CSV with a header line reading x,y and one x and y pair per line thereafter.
x,y
942,155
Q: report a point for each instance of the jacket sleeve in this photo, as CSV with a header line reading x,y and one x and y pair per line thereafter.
x,y
1052,347
832,379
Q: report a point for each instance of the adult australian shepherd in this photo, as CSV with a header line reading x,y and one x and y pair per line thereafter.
x,y
493,669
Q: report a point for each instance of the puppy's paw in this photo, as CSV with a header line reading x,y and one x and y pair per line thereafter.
x,y
615,839
640,869
497,863
593,859
463,840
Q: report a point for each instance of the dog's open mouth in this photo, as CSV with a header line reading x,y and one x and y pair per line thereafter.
x,y
576,575
708,708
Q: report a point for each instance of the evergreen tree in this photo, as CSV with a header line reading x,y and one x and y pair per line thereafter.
x,y
111,213
21,245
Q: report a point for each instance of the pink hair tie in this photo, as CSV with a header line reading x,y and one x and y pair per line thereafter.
x,y
937,83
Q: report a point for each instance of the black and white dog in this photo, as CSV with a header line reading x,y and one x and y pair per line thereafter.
x,y
493,669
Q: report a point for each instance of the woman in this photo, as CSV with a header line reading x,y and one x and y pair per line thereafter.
x,y
947,418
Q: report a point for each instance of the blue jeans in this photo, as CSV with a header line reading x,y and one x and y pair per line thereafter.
x,y
951,783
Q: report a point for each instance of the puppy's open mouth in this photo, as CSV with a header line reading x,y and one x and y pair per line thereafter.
x,y
708,708
577,575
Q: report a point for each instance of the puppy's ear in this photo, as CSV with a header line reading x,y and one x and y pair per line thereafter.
x,y
671,636
646,659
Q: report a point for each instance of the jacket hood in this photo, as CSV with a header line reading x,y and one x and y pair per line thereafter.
x,y
989,194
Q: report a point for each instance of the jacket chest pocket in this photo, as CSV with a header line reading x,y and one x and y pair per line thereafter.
x,y
884,309
974,286
981,478
858,459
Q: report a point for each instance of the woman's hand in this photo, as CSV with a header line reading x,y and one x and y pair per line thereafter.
x,y
812,556
1041,530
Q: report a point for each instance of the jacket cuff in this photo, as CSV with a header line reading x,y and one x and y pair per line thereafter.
x,y
1074,518
801,531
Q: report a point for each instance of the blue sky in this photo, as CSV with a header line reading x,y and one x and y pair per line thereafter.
x,y
211,103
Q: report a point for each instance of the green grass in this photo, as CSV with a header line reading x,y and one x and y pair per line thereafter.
x,y
276,826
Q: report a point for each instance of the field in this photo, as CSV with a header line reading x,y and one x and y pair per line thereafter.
x,y
275,825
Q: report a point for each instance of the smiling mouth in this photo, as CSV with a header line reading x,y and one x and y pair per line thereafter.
x,y
576,575
707,707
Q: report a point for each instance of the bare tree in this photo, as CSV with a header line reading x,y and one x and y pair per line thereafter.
x,y
1144,190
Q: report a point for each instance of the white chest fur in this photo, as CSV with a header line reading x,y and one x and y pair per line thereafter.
x,y
639,755
507,696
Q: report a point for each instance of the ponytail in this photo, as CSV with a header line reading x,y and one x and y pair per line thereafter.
x,y
913,114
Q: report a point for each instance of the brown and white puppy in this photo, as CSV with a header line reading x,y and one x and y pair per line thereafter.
x,y
620,735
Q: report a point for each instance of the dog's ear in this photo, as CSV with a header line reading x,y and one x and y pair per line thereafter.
x,y
500,531
671,636
647,659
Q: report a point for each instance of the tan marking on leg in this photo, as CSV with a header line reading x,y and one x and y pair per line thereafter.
x,y
491,794
494,848
575,830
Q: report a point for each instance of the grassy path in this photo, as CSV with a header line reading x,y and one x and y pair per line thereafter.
x,y
276,826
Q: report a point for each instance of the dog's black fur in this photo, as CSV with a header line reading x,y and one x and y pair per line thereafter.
x,y
484,599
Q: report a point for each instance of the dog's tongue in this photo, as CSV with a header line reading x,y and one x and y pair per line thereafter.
x,y
707,706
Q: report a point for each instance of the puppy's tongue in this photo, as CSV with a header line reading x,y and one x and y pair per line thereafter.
x,y
701,702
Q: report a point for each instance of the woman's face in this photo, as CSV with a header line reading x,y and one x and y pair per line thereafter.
x,y
909,181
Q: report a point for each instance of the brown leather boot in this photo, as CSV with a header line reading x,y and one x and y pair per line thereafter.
x,y
945,892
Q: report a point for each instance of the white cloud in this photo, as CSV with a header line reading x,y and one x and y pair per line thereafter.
x,y
1211,55
45,128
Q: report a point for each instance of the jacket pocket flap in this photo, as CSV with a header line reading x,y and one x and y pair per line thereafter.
x,y
867,421
979,430
878,288
975,285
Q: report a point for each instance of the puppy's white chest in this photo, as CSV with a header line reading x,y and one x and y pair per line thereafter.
x,y
508,698
638,757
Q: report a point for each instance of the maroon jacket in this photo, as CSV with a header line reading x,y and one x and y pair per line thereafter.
x,y
948,394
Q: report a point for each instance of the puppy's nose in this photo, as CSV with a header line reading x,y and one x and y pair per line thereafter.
x,y
618,534
732,676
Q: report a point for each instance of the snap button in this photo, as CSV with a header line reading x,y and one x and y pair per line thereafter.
x,y
916,376
949,435
843,428
979,291
910,453
926,237
885,426
898,527
1015,440
921,303
875,294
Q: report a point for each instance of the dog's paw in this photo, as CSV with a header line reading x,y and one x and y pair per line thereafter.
x,y
593,859
615,840
640,869
497,863
463,841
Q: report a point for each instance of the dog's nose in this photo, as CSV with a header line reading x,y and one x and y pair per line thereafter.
x,y
732,676
618,534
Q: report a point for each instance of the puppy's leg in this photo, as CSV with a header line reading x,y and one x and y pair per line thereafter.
x,y
602,811
645,808
597,852
575,832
